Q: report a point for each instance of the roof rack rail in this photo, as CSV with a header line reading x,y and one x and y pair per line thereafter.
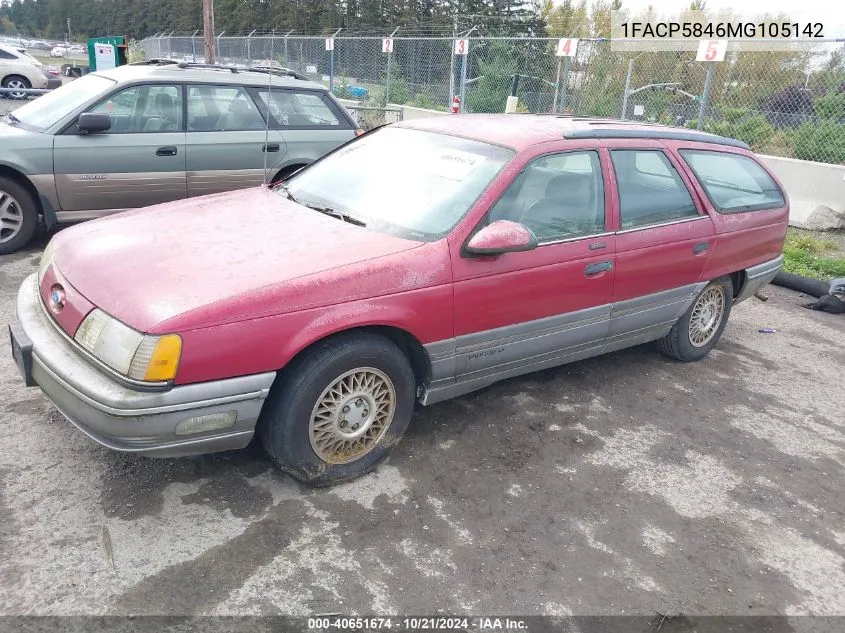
x,y
155,61
672,134
233,69
276,70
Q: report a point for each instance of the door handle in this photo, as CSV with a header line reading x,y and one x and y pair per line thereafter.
x,y
595,269
270,147
169,150
700,248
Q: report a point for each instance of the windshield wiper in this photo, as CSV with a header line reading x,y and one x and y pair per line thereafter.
x,y
337,214
284,189
326,210
11,118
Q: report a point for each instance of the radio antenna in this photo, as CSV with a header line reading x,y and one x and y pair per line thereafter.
x,y
267,124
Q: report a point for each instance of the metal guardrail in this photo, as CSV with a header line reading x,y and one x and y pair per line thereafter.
x,y
28,91
368,118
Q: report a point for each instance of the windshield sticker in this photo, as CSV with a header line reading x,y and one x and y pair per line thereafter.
x,y
455,164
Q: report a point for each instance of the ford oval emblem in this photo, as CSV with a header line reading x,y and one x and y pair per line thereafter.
x,y
57,297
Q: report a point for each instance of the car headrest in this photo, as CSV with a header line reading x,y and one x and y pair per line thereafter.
x,y
571,188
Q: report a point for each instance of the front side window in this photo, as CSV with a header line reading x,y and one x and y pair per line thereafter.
x,y
733,182
49,109
650,189
222,109
414,184
143,109
558,197
295,108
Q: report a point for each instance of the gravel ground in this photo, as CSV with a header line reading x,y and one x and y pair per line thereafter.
x,y
626,484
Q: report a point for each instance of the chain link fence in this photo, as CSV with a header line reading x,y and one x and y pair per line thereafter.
x,y
786,103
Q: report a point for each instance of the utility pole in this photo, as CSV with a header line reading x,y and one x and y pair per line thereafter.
x,y
208,29
69,35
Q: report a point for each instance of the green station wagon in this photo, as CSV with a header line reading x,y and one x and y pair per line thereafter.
x,y
154,132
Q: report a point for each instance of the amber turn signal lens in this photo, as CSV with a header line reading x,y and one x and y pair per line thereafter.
x,y
165,359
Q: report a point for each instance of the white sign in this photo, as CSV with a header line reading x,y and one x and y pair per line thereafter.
x,y
311,70
639,110
566,47
104,56
329,43
387,45
461,47
711,51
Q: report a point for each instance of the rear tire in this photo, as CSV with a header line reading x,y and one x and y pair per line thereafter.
x,y
18,82
339,410
700,328
18,216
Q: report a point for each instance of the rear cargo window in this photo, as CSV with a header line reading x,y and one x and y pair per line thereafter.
x,y
733,182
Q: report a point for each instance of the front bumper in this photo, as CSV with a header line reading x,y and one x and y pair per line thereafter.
x,y
119,417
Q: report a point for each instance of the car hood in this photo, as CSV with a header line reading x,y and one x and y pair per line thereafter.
x,y
149,266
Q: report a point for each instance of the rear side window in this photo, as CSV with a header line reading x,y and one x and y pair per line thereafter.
x,y
6,55
734,182
301,109
650,189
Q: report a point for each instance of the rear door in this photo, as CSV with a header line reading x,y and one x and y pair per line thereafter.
x,y
748,207
309,120
228,143
138,162
524,311
664,240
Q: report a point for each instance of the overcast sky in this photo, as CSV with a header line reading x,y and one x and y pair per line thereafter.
x,y
829,12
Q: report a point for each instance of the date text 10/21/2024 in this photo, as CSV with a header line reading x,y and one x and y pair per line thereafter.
x,y
416,623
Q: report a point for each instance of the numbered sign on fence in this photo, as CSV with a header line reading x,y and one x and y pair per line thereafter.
x,y
567,47
329,43
387,45
461,47
711,51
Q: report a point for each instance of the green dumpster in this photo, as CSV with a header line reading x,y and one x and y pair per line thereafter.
x,y
106,52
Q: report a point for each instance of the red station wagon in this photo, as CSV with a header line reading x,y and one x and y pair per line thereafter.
x,y
421,261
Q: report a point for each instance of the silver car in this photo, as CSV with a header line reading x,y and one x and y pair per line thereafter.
x,y
154,132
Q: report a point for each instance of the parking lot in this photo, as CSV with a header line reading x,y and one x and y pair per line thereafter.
x,y
620,485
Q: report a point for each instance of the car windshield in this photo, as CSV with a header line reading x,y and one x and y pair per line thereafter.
x,y
46,110
405,182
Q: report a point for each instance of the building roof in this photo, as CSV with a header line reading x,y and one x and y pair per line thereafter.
x,y
520,131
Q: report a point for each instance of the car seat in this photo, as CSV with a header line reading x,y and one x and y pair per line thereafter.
x,y
569,203
166,117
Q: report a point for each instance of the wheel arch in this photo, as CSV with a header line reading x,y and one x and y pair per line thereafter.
x,y
7,171
408,344
287,170
738,279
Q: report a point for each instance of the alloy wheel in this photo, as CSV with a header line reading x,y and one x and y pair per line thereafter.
x,y
11,217
707,315
352,415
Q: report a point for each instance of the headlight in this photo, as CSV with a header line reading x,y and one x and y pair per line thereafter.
x,y
140,357
46,260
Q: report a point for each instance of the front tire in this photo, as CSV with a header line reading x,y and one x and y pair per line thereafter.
x,y
18,216
339,410
16,82
700,328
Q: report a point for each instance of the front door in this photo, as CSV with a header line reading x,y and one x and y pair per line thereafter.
x,y
138,162
229,145
663,244
520,312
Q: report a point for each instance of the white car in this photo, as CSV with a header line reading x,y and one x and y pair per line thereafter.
x,y
19,71
58,51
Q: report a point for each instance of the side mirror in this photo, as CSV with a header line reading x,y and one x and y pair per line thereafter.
x,y
93,122
502,236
